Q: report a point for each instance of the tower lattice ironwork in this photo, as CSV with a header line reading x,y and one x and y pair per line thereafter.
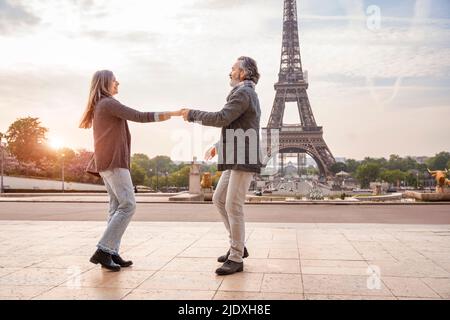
x,y
307,136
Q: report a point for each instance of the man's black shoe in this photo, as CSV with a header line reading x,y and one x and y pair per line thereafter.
x,y
225,257
230,267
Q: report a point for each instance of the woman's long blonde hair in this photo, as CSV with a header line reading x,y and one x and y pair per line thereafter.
x,y
100,86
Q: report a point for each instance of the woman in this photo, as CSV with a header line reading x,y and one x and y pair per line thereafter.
x,y
111,161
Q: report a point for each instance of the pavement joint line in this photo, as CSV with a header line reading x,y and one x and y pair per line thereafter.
x,y
413,249
429,287
300,263
319,203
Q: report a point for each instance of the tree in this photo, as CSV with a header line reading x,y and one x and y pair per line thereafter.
x,y
439,161
142,160
411,178
180,178
366,173
352,165
394,162
410,164
26,140
76,168
338,167
211,168
393,176
312,171
382,162
137,174
162,164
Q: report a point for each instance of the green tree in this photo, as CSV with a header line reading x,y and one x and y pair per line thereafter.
x,y
392,176
394,162
212,168
411,178
338,167
26,140
367,172
162,164
142,160
311,171
410,164
180,178
352,165
439,161
381,162
137,174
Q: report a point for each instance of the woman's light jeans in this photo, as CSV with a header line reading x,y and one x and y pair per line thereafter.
x,y
229,198
122,206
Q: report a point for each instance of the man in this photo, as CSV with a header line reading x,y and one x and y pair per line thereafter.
x,y
239,156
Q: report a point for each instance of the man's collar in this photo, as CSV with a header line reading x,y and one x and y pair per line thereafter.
x,y
246,83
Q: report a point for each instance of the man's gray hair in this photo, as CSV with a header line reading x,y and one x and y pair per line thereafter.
x,y
250,68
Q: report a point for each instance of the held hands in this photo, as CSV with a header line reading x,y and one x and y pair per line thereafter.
x,y
181,113
163,116
185,114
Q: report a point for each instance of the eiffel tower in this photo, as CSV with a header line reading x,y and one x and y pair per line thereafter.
x,y
305,137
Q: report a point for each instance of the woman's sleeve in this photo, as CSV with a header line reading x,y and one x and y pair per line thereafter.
x,y
121,111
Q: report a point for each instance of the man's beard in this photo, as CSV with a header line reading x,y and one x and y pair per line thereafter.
x,y
234,83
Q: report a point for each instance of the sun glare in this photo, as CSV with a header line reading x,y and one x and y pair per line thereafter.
x,y
56,143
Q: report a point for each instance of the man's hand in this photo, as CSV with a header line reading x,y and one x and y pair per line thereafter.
x,y
185,114
211,153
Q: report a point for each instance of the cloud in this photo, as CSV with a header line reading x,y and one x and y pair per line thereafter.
x,y
221,4
130,37
179,53
15,17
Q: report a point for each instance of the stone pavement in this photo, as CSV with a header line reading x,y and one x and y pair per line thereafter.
x,y
176,260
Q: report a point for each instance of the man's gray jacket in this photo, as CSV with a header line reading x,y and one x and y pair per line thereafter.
x,y
239,145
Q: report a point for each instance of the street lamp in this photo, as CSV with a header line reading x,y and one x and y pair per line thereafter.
x,y
150,175
417,180
157,177
62,173
57,144
167,175
2,190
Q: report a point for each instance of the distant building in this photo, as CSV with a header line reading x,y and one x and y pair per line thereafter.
x,y
310,162
421,160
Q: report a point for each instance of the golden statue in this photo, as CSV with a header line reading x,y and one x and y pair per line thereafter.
x,y
206,182
441,180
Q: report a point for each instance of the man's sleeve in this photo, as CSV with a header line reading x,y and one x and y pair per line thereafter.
x,y
235,107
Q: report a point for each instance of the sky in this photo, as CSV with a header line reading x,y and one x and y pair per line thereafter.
x,y
379,71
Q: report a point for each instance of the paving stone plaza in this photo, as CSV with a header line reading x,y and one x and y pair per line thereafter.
x,y
176,260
